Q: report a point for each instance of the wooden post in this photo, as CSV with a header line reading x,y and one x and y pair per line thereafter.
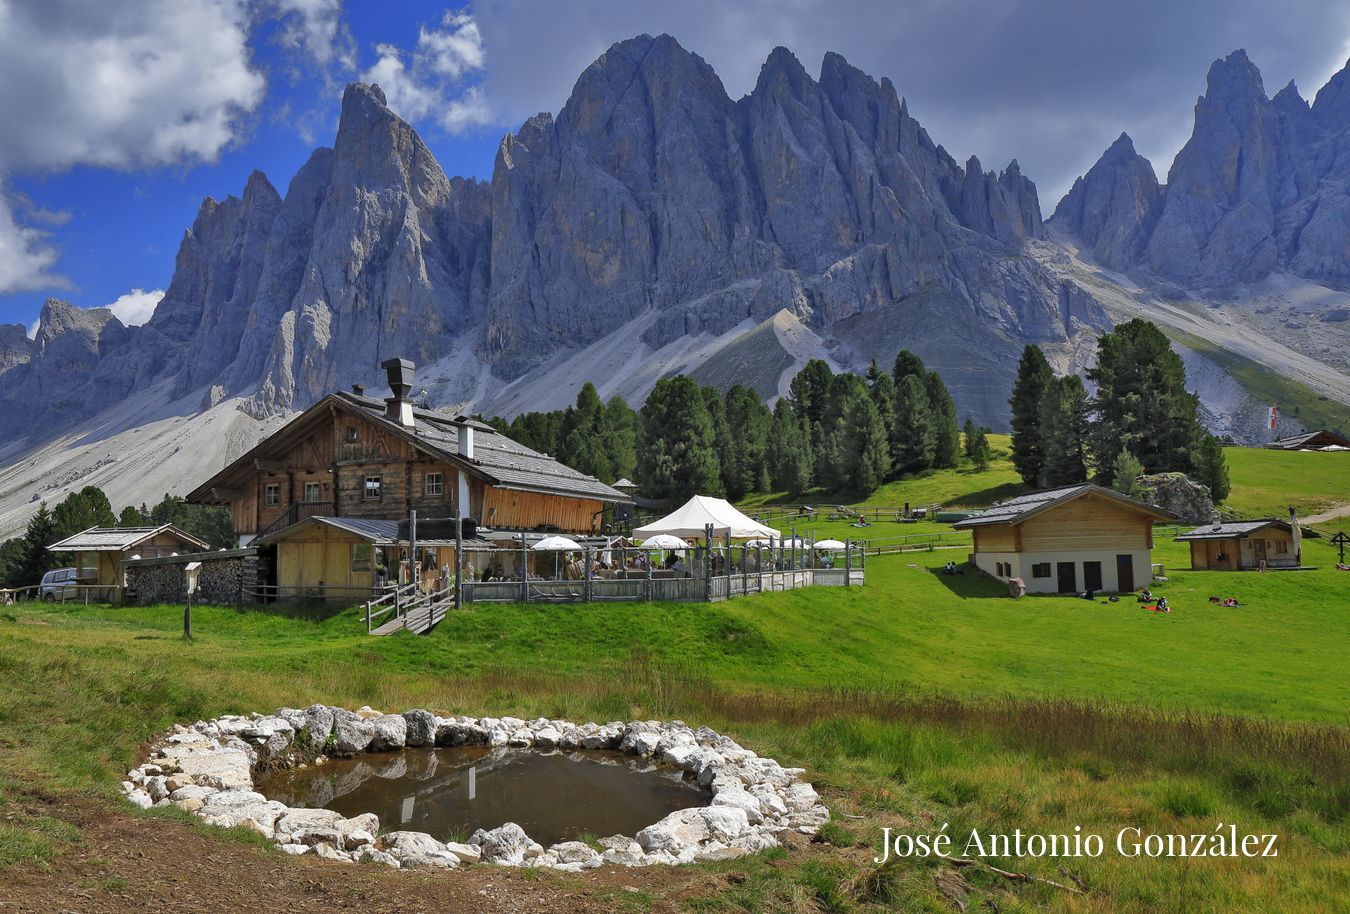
x,y
524,570
848,561
187,618
707,563
648,563
459,563
413,565
586,587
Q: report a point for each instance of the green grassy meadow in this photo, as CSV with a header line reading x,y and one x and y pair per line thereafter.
x,y
916,700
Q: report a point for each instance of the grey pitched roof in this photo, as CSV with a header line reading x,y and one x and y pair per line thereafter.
x,y
101,539
1231,529
377,532
1023,506
506,463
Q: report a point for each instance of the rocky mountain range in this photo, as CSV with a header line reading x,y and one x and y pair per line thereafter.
x,y
656,225
652,193
1262,186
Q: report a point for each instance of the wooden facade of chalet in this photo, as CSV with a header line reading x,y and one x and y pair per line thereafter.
x,y
354,458
342,459
1067,540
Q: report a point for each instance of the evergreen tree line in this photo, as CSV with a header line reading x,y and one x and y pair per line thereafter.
x,y
833,431
25,559
1142,419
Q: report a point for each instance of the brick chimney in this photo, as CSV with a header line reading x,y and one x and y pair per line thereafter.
x,y
398,407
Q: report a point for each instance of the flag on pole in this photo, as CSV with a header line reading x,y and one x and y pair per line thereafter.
x,y
1274,417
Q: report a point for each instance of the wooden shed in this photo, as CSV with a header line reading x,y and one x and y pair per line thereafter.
x,y
1245,545
1067,540
99,551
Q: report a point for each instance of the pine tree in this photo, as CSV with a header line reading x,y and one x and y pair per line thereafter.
x,y
749,420
675,455
1033,375
1064,432
1125,474
866,451
130,517
980,451
968,438
810,392
946,436
724,446
789,450
33,558
907,365
912,442
81,510
618,436
1142,404
1211,467
11,563
881,387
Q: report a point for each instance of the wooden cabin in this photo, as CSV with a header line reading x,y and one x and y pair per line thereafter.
x,y
1312,441
1067,540
353,457
99,551
1244,545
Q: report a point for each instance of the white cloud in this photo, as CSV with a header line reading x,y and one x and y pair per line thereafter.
x,y
27,255
429,83
316,27
135,307
113,85
123,85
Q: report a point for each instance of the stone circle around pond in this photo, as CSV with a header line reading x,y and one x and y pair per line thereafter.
x,y
208,768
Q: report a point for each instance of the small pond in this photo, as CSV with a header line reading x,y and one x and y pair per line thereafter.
x,y
448,793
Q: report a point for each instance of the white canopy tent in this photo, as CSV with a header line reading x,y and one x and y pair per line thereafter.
x,y
694,516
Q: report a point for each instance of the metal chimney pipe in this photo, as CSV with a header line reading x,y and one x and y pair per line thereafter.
x,y
398,408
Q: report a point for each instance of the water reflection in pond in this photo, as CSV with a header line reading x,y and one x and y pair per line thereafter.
x,y
450,792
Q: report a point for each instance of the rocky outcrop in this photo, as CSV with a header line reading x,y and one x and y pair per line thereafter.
x,y
1262,185
208,769
652,193
1179,494
15,346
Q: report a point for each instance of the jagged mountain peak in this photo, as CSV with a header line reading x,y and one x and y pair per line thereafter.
x,y
652,201
1260,186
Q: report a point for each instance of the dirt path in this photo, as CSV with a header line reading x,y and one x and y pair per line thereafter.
x,y
1342,511
125,864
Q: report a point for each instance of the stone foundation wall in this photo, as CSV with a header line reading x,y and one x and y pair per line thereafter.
x,y
223,574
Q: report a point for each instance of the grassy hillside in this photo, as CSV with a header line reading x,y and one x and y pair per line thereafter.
x,y
918,697
1298,400
1267,482
916,700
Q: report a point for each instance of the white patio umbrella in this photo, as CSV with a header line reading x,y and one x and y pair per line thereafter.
x,y
762,541
831,545
664,541
791,542
556,544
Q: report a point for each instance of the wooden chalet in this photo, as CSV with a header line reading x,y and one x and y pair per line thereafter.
x,y
351,458
1067,540
100,551
1246,545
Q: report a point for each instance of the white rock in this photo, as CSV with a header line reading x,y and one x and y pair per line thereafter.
x,y
507,845
371,855
739,798
215,766
547,738
295,850
404,843
140,799
351,733
576,852
298,820
467,853
391,732
800,797
687,827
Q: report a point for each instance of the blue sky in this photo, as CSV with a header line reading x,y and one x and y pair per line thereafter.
x,y
116,123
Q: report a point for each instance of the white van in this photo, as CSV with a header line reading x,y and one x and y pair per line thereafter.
x,y
59,584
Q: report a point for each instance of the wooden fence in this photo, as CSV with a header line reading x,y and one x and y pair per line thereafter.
x,y
693,589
